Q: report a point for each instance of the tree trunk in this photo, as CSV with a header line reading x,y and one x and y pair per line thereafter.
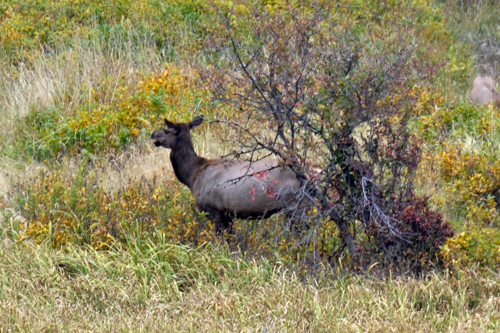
x,y
341,223
344,232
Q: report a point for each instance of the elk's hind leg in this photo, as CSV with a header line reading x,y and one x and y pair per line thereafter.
x,y
223,222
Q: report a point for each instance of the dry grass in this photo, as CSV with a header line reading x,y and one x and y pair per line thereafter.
x,y
64,78
177,289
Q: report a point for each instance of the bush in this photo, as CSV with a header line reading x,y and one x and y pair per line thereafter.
x,y
329,91
422,232
474,247
79,210
463,157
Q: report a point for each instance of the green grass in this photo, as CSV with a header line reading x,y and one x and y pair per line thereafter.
x,y
172,288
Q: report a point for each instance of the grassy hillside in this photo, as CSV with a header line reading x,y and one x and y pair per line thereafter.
x,y
93,221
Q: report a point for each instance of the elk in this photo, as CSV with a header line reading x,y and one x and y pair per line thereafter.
x,y
228,188
483,91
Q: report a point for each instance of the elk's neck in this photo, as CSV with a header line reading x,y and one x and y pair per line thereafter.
x,y
185,162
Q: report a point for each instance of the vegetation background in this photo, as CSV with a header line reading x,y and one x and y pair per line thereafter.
x,y
96,234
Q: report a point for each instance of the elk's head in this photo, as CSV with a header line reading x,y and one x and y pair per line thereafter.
x,y
172,132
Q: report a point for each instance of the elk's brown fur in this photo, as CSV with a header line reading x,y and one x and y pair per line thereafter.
x,y
483,91
228,189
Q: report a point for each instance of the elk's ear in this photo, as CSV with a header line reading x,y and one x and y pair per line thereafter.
x,y
169,124
172,127
196,122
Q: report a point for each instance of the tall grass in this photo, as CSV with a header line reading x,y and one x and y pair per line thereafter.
x,y
64,78
475,23
159,287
